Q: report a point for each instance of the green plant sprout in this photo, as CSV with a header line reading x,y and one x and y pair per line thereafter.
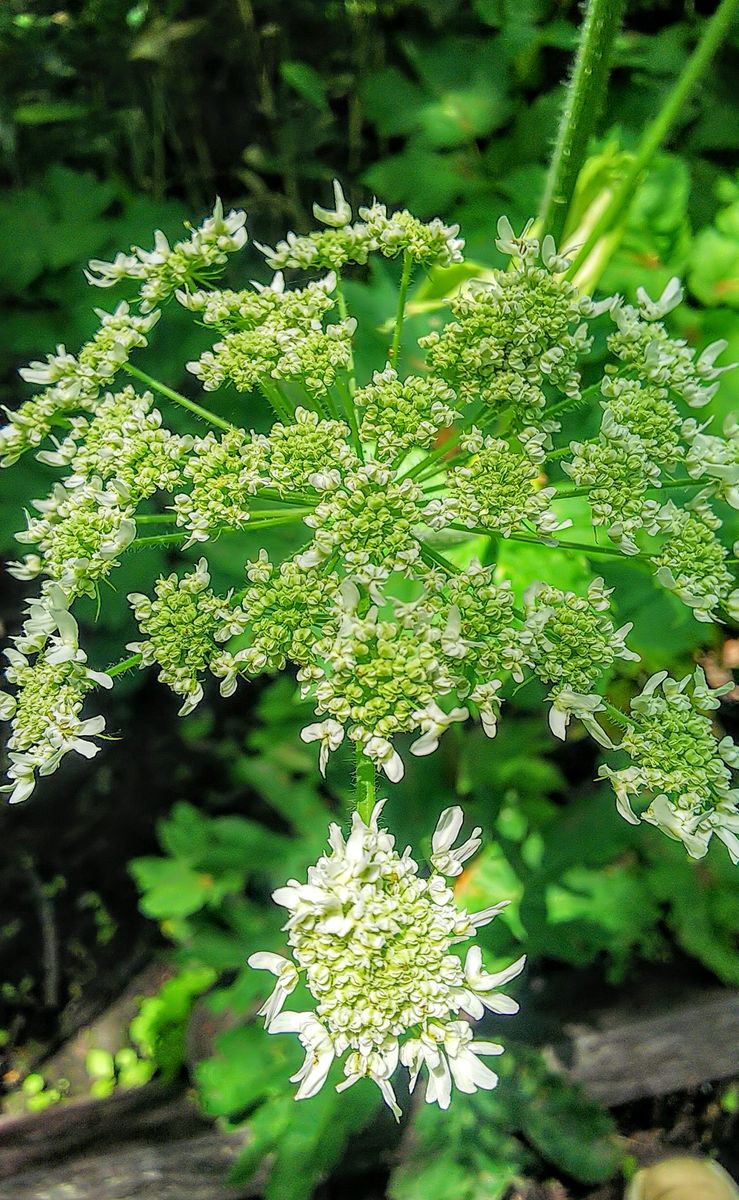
x,y
394,609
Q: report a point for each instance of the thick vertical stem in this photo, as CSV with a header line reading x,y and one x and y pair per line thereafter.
x,y
584,100
656,133
365,774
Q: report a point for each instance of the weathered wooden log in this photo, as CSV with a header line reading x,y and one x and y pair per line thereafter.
x,y
631,1055
156,1113
191,1168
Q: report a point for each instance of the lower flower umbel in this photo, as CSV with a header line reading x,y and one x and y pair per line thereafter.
x,y
374,944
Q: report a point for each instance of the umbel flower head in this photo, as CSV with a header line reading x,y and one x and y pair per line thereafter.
x,y
397,488
375,944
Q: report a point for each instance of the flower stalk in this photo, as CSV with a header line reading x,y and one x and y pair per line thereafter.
x,y
583,103
714,34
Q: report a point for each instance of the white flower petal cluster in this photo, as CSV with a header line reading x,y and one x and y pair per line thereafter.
x,y
271,353
51,680
516,339
399,414
499,490
163,269
573,641
678,763
72,383
223,474
716,460
429,243
643,344
80,534
125,440
374,944
181,623
386,483
692,560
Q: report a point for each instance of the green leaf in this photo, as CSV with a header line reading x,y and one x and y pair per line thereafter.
x,y
429,180
160,1027
247,1065
49,112
391,101
713,275
570,1131
170,888
465,1153
306,81
462,115
702,904
609,907
186,833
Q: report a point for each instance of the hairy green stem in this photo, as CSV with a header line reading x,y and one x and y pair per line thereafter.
x,y
405,280
583,103
155,518
263,520
421,469
664,485
532,539
178,398
656,133
347,400
286,497
621,718
344,314
125,665
276,401
434,559
365,777
571,402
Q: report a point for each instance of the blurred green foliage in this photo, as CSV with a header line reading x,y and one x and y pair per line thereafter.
x,y
120,116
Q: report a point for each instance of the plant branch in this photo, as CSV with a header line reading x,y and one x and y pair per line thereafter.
x,y
583,103
549,543
177,397
126,664
405,280
264,520
365,769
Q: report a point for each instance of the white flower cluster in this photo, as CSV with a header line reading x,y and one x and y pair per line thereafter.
x,y
374,944
49,673
72,383
679,765
431,243
692,562
515,340
643,344
162,270
390,482
572,642
180,623
500,490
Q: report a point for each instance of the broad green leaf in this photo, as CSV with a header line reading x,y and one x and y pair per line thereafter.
x,y
172,889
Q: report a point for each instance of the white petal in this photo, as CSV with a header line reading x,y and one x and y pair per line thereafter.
x,y
505,1005
448,826
263,960
314,1078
